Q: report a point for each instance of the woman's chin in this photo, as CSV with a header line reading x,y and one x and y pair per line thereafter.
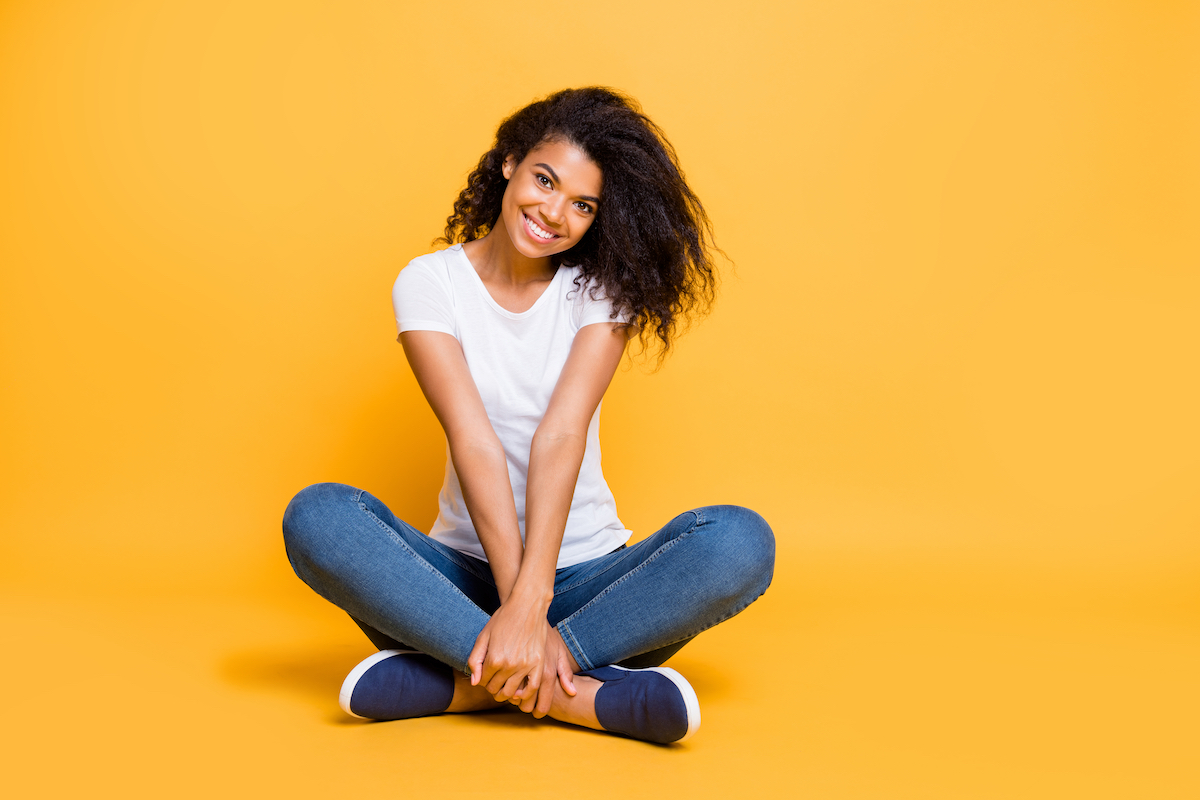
x,y
536,250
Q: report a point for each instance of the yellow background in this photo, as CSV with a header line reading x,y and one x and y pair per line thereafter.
x,y
955,367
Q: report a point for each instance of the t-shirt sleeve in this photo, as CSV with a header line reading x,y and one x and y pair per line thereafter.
x,y
590,310
422,299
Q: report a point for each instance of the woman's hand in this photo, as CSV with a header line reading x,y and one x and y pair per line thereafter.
x,y
556,671
510,652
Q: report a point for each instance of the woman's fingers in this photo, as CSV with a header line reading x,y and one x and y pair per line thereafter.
x,y
545,697
557,672
510,679
561,661
477,657
514,688
529,701
529,682
515,656
496,684
539,689
565,676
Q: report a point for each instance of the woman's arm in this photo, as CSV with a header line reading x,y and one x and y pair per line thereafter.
x,y
517,652
441,369
511,650
555,456
558,446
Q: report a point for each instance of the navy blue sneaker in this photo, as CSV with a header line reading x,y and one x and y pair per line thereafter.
x,y
655,704
397,684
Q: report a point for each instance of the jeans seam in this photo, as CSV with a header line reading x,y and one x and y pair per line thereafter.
x,y
587,580
452,554
715,623
730,615
653,556
464,563
398,539
613,565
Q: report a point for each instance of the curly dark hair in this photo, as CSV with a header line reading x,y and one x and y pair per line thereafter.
x,y
650,246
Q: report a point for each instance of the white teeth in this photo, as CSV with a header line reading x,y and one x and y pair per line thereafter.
x,y
540,232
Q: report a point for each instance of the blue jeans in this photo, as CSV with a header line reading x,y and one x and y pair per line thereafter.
x,y
635,606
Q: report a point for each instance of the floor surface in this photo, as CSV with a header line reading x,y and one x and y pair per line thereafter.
x,y
839,683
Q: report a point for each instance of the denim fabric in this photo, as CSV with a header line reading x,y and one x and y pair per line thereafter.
x,y
635,606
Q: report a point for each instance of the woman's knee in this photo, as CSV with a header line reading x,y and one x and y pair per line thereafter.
x,y
307,515
743,544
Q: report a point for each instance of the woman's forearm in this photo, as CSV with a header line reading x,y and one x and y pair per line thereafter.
x,y
483,474
558,447
554,460
438,362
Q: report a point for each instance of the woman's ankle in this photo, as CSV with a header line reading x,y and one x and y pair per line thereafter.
x,y
580,709
469,698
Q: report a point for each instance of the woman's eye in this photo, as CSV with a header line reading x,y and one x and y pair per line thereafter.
x,y
543,180
584,207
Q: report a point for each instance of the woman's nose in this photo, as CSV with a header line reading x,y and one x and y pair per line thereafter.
x,y
555,210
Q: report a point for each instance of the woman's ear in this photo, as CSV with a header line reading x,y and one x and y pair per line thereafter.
x,y
510,165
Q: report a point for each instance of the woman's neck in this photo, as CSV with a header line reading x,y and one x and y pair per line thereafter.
x,y
497,261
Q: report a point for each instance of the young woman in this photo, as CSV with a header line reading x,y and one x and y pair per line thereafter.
x,y
576,232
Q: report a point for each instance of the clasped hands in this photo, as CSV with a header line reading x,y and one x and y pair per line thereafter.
x,y
517,658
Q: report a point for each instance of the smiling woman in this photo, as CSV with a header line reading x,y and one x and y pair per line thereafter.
x,y
651,239
575,232
565,207
549,205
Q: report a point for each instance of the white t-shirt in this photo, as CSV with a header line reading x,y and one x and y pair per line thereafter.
x,y
515,360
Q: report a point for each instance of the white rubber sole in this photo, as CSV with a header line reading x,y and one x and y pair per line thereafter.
x,y
355,674
690,700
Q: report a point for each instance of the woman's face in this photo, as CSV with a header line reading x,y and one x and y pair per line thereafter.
x,y
551,198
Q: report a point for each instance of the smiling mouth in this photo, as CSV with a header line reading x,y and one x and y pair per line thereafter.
x,y
538,230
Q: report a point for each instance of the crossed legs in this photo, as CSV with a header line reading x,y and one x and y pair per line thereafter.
x,y
635,606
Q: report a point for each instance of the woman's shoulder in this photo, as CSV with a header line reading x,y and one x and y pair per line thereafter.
x,y
436,269
424,295
439,261
430,276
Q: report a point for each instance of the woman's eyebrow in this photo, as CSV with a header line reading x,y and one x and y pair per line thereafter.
x,y
554,175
